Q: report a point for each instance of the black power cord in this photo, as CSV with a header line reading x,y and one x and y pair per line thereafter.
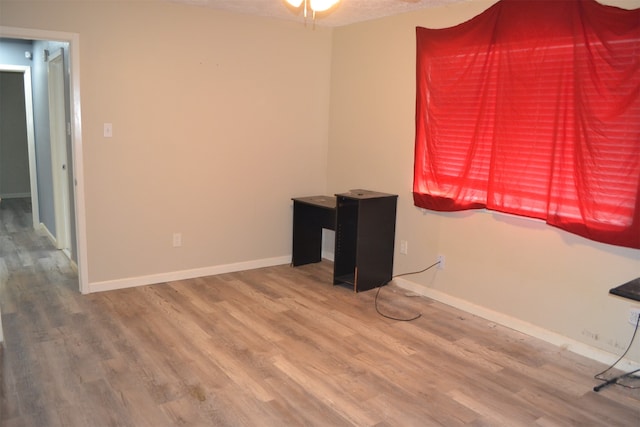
x,y
614,380
398,275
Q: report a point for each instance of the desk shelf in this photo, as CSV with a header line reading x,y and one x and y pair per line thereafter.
x,y
347,279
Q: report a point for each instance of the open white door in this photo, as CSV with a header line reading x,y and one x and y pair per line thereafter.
x,y
59,159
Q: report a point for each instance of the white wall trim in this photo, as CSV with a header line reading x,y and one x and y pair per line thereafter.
x,y
520,326
110,285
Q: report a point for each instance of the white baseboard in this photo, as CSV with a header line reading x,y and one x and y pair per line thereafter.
x,y
520,325
15,195
110,285
46,231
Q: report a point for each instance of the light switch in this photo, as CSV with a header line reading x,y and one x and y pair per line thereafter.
x,y
108,130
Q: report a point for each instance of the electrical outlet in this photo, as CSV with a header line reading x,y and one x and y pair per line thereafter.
x,y
633,316
404,247
441,262
177,240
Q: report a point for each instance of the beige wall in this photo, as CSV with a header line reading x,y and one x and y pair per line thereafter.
x,y
218,120
516,269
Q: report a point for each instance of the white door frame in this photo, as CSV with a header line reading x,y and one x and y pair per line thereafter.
x,y
76,136
58,142
31,146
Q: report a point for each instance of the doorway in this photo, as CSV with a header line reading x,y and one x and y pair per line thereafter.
x,y
25,73
71,130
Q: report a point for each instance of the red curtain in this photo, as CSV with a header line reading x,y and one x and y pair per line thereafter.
x,y
533,108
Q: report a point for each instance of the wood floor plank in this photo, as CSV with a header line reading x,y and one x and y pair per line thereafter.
x,y
270,347
325,388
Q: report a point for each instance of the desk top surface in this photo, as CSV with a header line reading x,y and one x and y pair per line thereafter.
x,y
365,194
328,202
629,290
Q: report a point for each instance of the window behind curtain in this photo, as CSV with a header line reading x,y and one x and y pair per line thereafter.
x,y
533,108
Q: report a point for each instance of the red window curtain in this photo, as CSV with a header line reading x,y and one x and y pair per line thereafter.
x,y
533,108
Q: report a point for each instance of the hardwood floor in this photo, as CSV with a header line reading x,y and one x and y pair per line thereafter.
x,y
276,346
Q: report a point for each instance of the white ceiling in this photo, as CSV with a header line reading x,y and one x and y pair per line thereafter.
x,y
345,13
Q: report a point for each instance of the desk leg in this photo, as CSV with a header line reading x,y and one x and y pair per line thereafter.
x,y
307,235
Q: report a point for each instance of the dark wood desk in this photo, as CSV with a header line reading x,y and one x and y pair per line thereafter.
x,y
364,222
629,290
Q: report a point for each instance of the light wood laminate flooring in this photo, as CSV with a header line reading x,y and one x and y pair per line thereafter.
x,y
277,346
